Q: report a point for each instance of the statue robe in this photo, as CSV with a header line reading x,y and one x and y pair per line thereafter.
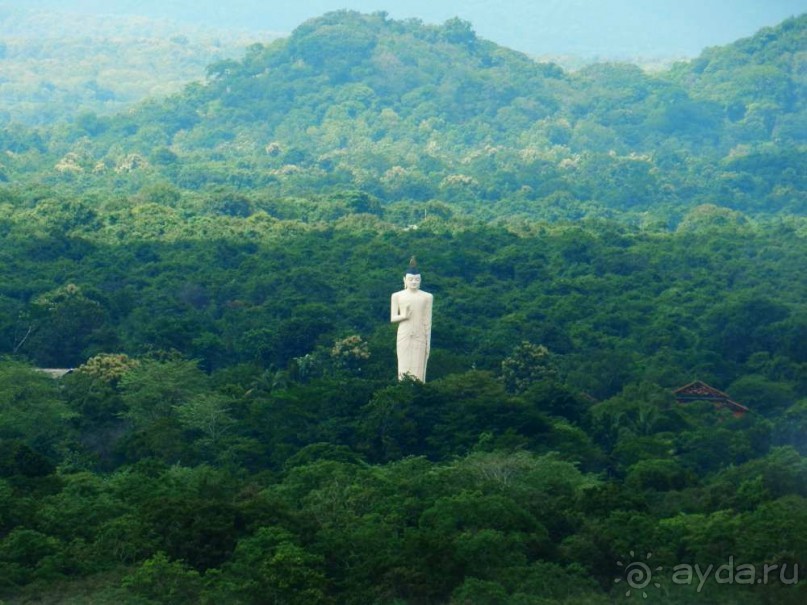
x,y
414,333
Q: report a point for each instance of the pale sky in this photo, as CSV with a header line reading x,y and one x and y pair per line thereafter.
x,y
587,28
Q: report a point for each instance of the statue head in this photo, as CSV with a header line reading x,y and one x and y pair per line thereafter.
x,y
412,275
412,281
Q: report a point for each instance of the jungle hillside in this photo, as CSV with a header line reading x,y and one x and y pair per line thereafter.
x,y
198,395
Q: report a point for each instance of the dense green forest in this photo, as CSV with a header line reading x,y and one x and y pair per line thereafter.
x,y
57,65
412,113
216,266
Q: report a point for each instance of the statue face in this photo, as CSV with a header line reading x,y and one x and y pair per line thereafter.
x,y
412,281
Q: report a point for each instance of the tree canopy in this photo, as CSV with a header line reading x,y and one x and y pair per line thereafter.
x,y
210,274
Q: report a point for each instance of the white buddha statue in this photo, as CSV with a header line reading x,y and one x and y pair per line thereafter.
x,y
411,309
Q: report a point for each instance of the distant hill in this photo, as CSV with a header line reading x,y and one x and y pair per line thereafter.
x,y
407,112
759,80
57,64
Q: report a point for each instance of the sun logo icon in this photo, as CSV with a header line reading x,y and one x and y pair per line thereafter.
x,y
638,575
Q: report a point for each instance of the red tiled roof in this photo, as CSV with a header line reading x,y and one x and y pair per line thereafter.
x,y
700,391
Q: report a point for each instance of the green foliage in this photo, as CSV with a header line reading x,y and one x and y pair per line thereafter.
x,y
31,410
658,475
217,267
27,555
376,111
154,390
17,459
63,323
132,58
161,580
270,566
529,363
108,367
